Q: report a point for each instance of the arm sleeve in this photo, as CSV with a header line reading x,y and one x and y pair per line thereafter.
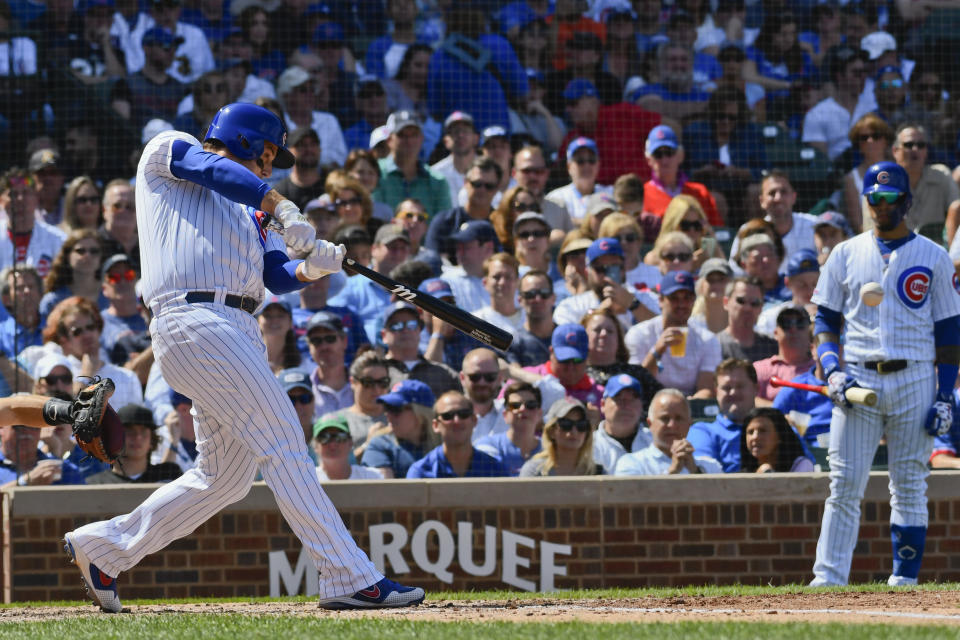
x,y
226,177
280,273
827,321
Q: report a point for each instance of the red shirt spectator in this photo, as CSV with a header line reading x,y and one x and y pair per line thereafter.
x,y
664,154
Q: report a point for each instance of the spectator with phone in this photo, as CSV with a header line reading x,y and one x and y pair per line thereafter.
x,y
685,214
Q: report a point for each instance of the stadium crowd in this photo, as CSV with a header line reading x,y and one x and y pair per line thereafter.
x,y
619,185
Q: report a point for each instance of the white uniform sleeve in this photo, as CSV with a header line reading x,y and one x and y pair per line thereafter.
x,y
157,155
829,291
946,296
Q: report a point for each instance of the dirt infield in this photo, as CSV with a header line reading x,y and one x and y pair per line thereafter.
x,y
893,607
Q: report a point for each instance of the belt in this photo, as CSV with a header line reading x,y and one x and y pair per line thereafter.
x,y
246,303
885,366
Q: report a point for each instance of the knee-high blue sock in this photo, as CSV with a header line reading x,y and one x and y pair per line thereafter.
x,y
908,545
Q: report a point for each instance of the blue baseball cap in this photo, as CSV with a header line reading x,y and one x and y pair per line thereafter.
x,y
294,379
569,341
803,261
580,143
887,177
160,36
176,399
661,136
318,9
89,5
479,230
673,281
579,88
408,392
603,247
835,220
437,287
619,382
275,300
328,32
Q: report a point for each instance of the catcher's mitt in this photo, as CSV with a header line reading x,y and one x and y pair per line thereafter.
x,y
96,426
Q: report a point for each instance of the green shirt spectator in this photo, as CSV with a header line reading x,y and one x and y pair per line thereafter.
x,y
404,175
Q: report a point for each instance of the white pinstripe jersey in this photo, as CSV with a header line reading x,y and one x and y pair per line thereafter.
x,y
195,239
919,287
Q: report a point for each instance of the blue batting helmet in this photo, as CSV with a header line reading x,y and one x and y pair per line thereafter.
x,y
886,176
243,128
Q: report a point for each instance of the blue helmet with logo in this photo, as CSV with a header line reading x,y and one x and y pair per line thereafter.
x,y
889,177
244,127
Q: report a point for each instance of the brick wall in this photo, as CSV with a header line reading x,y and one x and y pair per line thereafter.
x,y
621,533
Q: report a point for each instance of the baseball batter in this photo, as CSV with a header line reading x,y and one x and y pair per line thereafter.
x,y
207,257
906,348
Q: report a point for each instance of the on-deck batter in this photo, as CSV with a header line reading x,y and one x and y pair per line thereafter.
x,y
906,348
207,257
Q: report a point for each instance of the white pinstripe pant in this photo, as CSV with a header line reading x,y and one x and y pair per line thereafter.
x,y
905,398
214,355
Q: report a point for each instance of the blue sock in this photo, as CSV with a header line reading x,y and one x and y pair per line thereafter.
x,y
908,545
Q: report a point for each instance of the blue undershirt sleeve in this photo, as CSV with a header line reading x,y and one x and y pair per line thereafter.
x,y
280,273
827,321
226,177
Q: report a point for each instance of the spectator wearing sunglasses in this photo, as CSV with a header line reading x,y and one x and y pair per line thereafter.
x,y
531,172
369,379
871,136
402,325
622,430
567,443
569,349
460,138
456,457
313,299
501,273
122,317
664,154
639,276
531,342
685,214
327,338
572,264
522,414
803,270
890,89
669,452
936,197
412,217
583,160
75,271
297,385
480,186
409,411
331,447
743,300
531,235
678,354
516,201
482,380
793,356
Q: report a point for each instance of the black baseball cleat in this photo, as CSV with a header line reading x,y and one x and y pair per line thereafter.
x,y
383,594
101,588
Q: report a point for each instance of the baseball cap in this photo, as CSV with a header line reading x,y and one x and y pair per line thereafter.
x,y
535,75
43,159
603,247
325,320
888,69
408,392
528,216
561,407
160,36
437,287
576,245
389,232
275,300
294,379
115,259
299,134
835,220
88,5
323,202
619,382
569,341
396,307
176,399
48,363
598,203
401,119
352,234
479,230
290,79
716,265
579,88
328,32
580,143
755,240
791,310
318,9
136,414
878,43
673,281
661,136
378,135
803,261
338,422
885,177
458,116
369,86
491,132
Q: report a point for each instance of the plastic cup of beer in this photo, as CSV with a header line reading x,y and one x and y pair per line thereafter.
x,y
679,348
53,462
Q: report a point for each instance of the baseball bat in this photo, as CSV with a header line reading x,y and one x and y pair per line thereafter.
x,y
461,320
856,395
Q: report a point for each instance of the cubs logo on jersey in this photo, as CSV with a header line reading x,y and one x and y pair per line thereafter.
x,y
260,218
913,285
956,283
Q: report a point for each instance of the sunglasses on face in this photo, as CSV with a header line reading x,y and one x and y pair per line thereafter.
x,y
529,404
489,377
896,83
890,197
537,233
691,225
585,160
664,152
328,338
370,383
794,323
82,251
413,325
129,275
918,144
753,302
463,414
76,331
575,254
676,257
480,184
566,424
413,215
394,410
66,378
87,199
523,207
867,137
300,398
571,361
328,436
533,293
344,203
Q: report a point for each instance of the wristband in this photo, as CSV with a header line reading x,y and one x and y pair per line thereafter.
x,y
437,336
829,357
23,480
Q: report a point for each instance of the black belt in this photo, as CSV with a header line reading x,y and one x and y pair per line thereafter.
x,y
246,303
885,366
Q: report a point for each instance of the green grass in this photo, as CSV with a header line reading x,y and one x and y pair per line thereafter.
x,y
234,627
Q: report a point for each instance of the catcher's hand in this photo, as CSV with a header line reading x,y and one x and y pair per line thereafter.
x,y
96,426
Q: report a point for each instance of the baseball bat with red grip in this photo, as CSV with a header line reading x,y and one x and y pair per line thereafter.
x,y
856,395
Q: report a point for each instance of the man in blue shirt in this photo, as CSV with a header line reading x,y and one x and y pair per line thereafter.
x,y
523,414
456,457
815,406
20,462
736,393
20,294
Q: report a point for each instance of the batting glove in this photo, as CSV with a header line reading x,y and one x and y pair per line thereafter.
x,y
940,416
837,384
326,258
297,232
